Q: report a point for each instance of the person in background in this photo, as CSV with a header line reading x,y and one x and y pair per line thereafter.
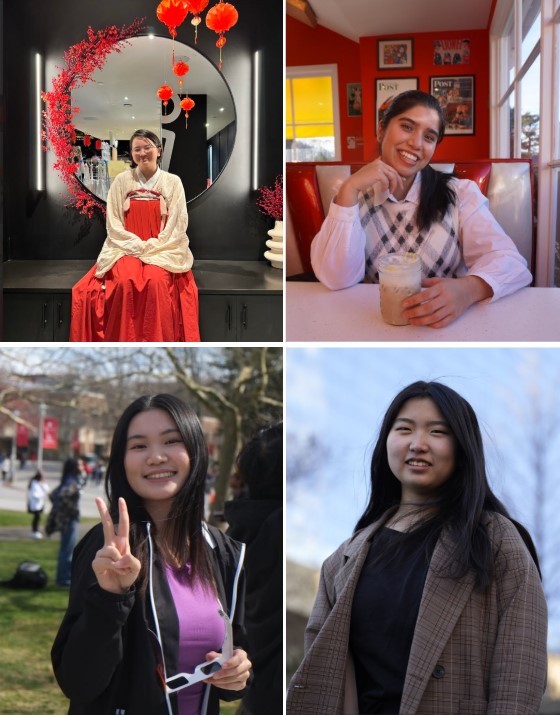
x,y
98,475
399,203
155,590
6,469
141,289
22,456
37,491
209,495
83,474
256,517
66,504
435,604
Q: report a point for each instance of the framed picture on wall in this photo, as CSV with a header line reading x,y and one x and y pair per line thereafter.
x,y
394,54
452,52
354,99
387,89
455,95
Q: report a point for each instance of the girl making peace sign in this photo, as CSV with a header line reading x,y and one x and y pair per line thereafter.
x,y
155,591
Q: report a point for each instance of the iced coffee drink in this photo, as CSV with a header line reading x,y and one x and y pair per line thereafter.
x,y
400,276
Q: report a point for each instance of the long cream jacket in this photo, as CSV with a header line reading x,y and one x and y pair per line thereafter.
x,y
472,653
169,249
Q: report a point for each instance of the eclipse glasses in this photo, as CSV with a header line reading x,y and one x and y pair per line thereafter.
x,y
203,670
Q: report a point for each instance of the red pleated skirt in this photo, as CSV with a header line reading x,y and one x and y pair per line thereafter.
x,y
135,301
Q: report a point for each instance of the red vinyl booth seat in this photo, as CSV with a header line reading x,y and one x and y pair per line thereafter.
x,y
507,183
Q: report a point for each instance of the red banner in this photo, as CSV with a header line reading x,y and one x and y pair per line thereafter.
x,y
50,433
76,441
22,436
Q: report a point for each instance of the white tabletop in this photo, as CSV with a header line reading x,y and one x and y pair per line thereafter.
x,y
314,312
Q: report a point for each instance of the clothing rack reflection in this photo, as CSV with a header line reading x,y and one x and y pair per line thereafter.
x,y
94,175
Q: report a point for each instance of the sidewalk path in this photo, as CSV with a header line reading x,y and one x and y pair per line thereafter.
x,y
17,533
13,495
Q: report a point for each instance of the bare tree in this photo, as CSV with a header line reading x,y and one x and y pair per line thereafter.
x,y
242,387
305,459
532,471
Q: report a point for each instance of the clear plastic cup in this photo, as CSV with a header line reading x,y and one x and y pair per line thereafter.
x,y
400,276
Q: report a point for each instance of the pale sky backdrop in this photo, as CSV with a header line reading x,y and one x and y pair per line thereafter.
x,y
339,395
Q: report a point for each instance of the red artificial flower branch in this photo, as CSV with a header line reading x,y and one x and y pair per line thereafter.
x,y
58,130
271,199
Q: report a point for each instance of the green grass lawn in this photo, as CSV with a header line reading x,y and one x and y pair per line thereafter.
x,y
15,518
28,623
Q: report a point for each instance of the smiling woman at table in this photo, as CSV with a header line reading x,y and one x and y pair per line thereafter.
x,y
398,203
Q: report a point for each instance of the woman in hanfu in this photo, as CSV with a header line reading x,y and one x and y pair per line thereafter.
x,y
141,289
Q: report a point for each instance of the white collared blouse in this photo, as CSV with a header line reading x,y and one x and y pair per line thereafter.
x,y
468,241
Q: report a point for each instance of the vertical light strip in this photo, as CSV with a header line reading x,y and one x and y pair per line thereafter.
x,y
256,105
39,150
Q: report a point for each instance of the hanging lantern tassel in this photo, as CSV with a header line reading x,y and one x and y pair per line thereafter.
x,y
196,7
221,18
172,13
180,69
165,93
187,104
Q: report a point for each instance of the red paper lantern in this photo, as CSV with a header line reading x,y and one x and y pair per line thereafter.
x,y
187,104
165,93
180,69
98,144
172,13
196,7
221,18
87,140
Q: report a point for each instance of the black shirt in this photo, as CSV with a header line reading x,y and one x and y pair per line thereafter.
x,y
384,613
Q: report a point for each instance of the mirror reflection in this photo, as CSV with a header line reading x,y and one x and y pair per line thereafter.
x,y
122,97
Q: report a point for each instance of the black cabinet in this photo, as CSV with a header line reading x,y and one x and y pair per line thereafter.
x,y
238,300
37,317
251,318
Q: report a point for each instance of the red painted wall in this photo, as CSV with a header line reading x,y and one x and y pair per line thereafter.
x,y
455,148
358,63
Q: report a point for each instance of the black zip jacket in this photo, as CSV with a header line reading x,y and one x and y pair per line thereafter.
x,y
103,658
259,524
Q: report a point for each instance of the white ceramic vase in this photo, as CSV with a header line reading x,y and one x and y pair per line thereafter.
x,y
276,245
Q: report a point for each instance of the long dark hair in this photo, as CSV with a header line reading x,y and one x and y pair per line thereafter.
x,y
70,470
183,528
436,195
461,500
150,136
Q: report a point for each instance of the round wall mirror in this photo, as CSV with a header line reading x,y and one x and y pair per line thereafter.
x,y
122,97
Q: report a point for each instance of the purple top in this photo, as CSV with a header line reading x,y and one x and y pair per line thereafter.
x,y
201,630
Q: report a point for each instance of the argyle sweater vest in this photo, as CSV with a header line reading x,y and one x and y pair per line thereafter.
x,y
390,227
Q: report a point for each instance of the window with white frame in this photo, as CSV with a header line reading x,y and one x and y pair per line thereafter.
x,y
525,110
555,163
518,24
312,116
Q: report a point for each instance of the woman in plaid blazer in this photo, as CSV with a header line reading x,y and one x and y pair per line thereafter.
x,y
477,635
